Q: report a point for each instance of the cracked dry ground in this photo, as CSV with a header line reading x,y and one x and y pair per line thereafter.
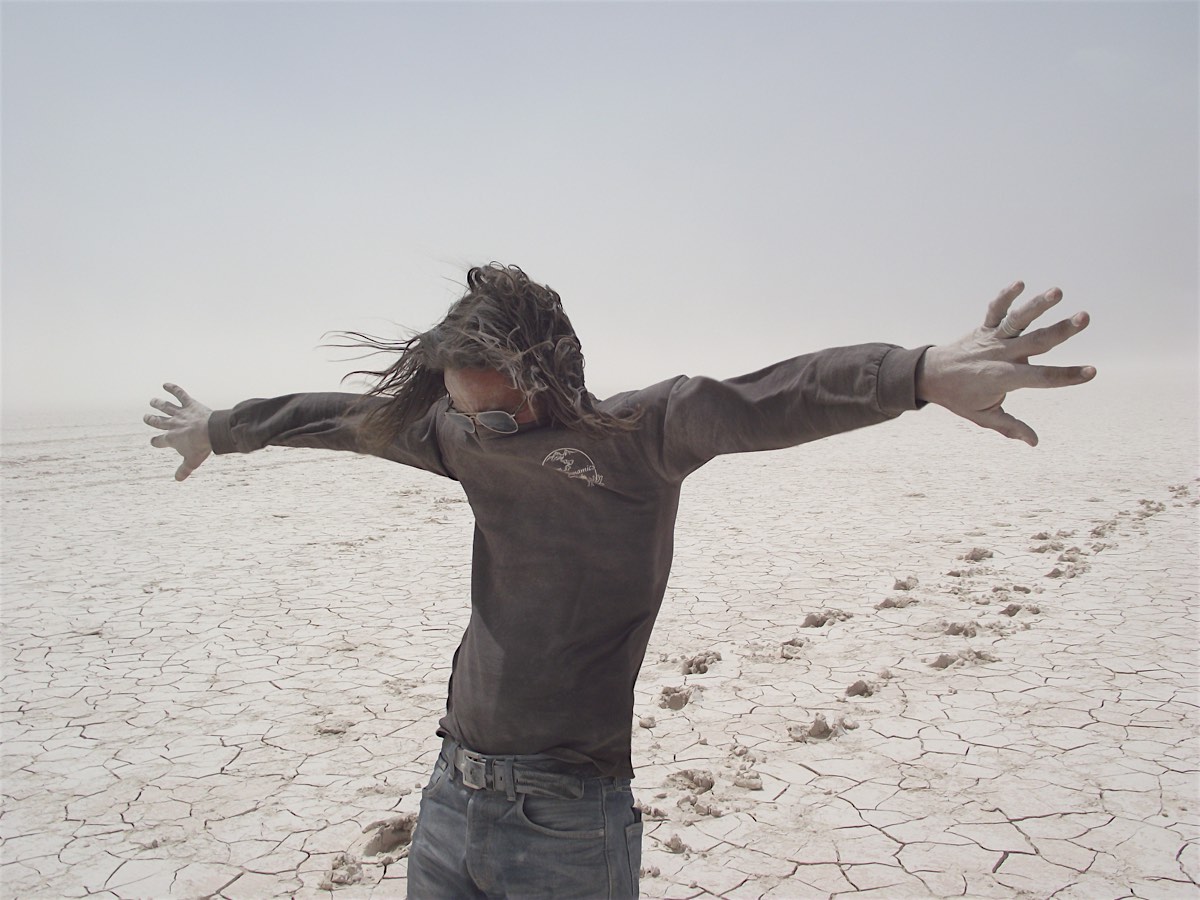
x,y
229,687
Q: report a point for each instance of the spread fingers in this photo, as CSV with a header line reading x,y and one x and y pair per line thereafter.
x,y
1025,314
1045,339
180,394
1050,376
998,307
1008,425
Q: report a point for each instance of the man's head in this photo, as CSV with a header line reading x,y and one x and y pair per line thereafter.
x,y
507,324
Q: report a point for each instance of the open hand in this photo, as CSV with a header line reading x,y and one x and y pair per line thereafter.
x,y
972,376
186,427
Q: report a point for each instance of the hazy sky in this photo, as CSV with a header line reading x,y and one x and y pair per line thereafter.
x,y
197,192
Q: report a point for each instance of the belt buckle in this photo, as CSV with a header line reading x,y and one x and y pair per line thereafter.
x,y
474,772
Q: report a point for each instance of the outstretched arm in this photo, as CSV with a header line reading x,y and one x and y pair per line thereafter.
x,y
972,376
186,429
325,421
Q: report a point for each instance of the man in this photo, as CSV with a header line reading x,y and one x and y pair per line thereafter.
x,y
575,502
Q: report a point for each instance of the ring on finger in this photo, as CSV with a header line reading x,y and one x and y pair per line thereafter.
x,y
1009,329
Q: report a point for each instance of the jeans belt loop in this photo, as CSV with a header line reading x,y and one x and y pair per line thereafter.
x,y
504,778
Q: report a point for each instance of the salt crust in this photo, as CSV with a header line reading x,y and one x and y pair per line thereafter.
x,y
212,689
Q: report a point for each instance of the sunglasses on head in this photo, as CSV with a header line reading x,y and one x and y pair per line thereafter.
x,y
496,420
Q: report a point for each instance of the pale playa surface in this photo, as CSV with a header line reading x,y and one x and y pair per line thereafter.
x,y
216,688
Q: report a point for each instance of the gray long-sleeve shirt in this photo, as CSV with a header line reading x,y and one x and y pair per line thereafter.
x,y
574,534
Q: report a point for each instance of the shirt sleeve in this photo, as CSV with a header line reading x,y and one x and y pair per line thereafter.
x,y
328,421
789,403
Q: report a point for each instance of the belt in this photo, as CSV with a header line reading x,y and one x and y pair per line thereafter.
x,y
509,776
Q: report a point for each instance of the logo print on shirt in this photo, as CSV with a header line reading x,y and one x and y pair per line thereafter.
x,y
574,464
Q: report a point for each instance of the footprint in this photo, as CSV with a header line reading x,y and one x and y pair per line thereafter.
x,y
977,554
676,697
896,602
346,869
820,729
794,648
969,572
742,752
1013,608
1070,570
818,619
676,845
748,779
861,688
946,660
392,836
1047,547
402,686
1149,508
689,803
699,781
698,664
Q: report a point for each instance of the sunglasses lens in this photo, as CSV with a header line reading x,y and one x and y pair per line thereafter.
x,y
463,422
500,422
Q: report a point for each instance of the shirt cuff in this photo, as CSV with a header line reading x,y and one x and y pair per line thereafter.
x,y
220,433
896,389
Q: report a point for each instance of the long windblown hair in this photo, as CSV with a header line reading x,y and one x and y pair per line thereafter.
x,y
504,322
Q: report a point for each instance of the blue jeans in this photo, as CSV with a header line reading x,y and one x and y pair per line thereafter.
x,y
534,830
